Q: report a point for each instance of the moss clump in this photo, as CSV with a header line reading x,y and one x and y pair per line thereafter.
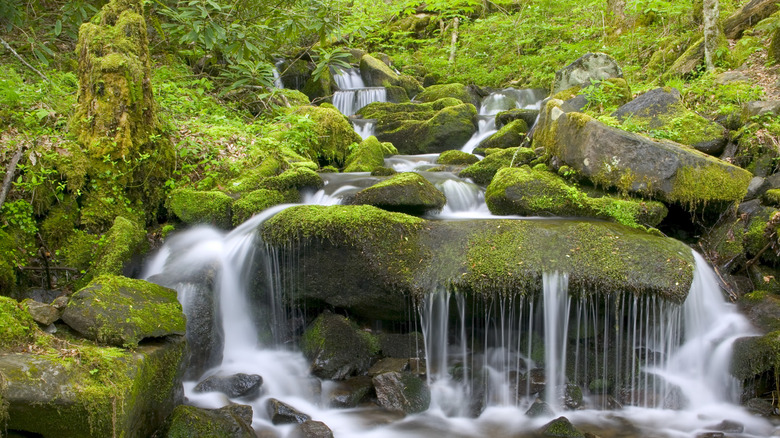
x,y
188,421
7,268
296,178
193,207
406,192
560,428
757,355
436,92
124,240
510,135
121,311
756,235
708,183
323,344
17,327
456,158
259,200
771,197
60,222
483,172
333,135
369,155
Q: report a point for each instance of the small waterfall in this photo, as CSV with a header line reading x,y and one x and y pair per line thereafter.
x,y
465,200
557,304
506,99
411,163
277,76
348,79
353,93
364,127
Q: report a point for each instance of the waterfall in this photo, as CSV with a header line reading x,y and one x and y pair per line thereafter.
x,y
556,322
277,76
506,99
364,127
352,93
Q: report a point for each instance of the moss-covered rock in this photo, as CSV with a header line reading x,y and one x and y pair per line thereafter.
x,y
99,392
17,327
201,207
762,308
591,67
759,226
456,158
527,115
756,355
320,88
510,135
256,201
324,342
123,241
232,421
334,134
634,163
120,311
376,73
297,178
406,192
771,197
484,171
561,427
369,155
457,91
402,392
529,192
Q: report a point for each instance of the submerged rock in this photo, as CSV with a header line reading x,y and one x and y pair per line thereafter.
x,y
282,413
121,311
406,192
351,392
233,421
402,392
312,429
237,385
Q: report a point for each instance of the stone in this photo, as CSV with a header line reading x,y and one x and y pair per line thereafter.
x,y
533,382
512,134
402,392
589,68
453,90
43,314
636,164
759,108
123,241
312,429
232,421
389,364
323,345
529,116
235,386
484,171
120,311
282,413
539,409
376,73
755,355
369,155
351,392
756,188
334,134
406,192
456,158
728,77
201,207
561,427
56,397
728,426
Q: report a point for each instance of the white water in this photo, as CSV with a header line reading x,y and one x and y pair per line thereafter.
x,y
277,76
506,99
352,92
364,127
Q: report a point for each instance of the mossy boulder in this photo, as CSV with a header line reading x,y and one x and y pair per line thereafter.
x,y
455,90
762,308
406,192
662,110
232,421
759,226
258,200
337,348
591,67
756,355
297,178
121,311
102,392
423,128
527,115
320,88
201,207
456,158
402,392
529,192
369,155
561,427
376,73
123,241
334,134
17,327
484,171
510,135
637,164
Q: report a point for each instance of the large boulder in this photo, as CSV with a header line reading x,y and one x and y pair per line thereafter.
x,y
406,192
510,135
662,109
591,67
423,128
376,73
121,311
402,392
232,421
637,164
530,192
334,134
337,348
117,393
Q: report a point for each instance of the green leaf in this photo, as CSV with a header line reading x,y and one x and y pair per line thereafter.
x,y
58,28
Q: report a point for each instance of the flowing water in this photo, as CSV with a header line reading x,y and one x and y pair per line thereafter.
x,y
507,99
352,92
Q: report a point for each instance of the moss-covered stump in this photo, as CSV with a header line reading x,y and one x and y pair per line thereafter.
x,y
103,392
423,128
406,192
201,207
633,163
510,135
258,200
337,348
334,135
456,158
529,192
457,91
484,171
124,241
586,69
232,421
662,109
369,155
402,392
120,311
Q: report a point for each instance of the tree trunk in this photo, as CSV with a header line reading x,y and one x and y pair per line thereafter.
x,y
454,42
618,10
711,13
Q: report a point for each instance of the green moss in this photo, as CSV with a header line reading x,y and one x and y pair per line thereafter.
x,y
510,135
483,171
60,222
296,178
17,327
258,200
436,92
124,240
369,155
456,158
709,183
771,197
193,207
755,235
406,192
333,133
7,268
323,343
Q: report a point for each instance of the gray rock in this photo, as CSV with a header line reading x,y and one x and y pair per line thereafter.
x,y
237,385
351,392
336,348
651,104
533,382
539,409
757,187
589,67
282,413
232,421
60,302
529,116
44,314
405,192
389,364
402,392
760,108
731,76
312,429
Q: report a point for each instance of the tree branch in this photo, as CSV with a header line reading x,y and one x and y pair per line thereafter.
x,y
10,49
9,173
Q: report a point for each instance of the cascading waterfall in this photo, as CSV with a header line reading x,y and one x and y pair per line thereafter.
x,y
506,99
352,92
364,127
277,76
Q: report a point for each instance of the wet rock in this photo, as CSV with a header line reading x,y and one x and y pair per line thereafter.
x,y
282,413
121,311
589,67
533,382
43,314
762,309
351,392
710,435
453,90
755,355
456,158
232,421
539,409
237,385
201,207
402,392
406,192
336,348
312,429
369,155
511,135
402,346
484,171
387,365
561,427
761,407
61,302
529,116
728,426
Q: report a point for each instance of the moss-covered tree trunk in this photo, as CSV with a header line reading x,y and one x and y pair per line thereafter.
x,y
711,12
